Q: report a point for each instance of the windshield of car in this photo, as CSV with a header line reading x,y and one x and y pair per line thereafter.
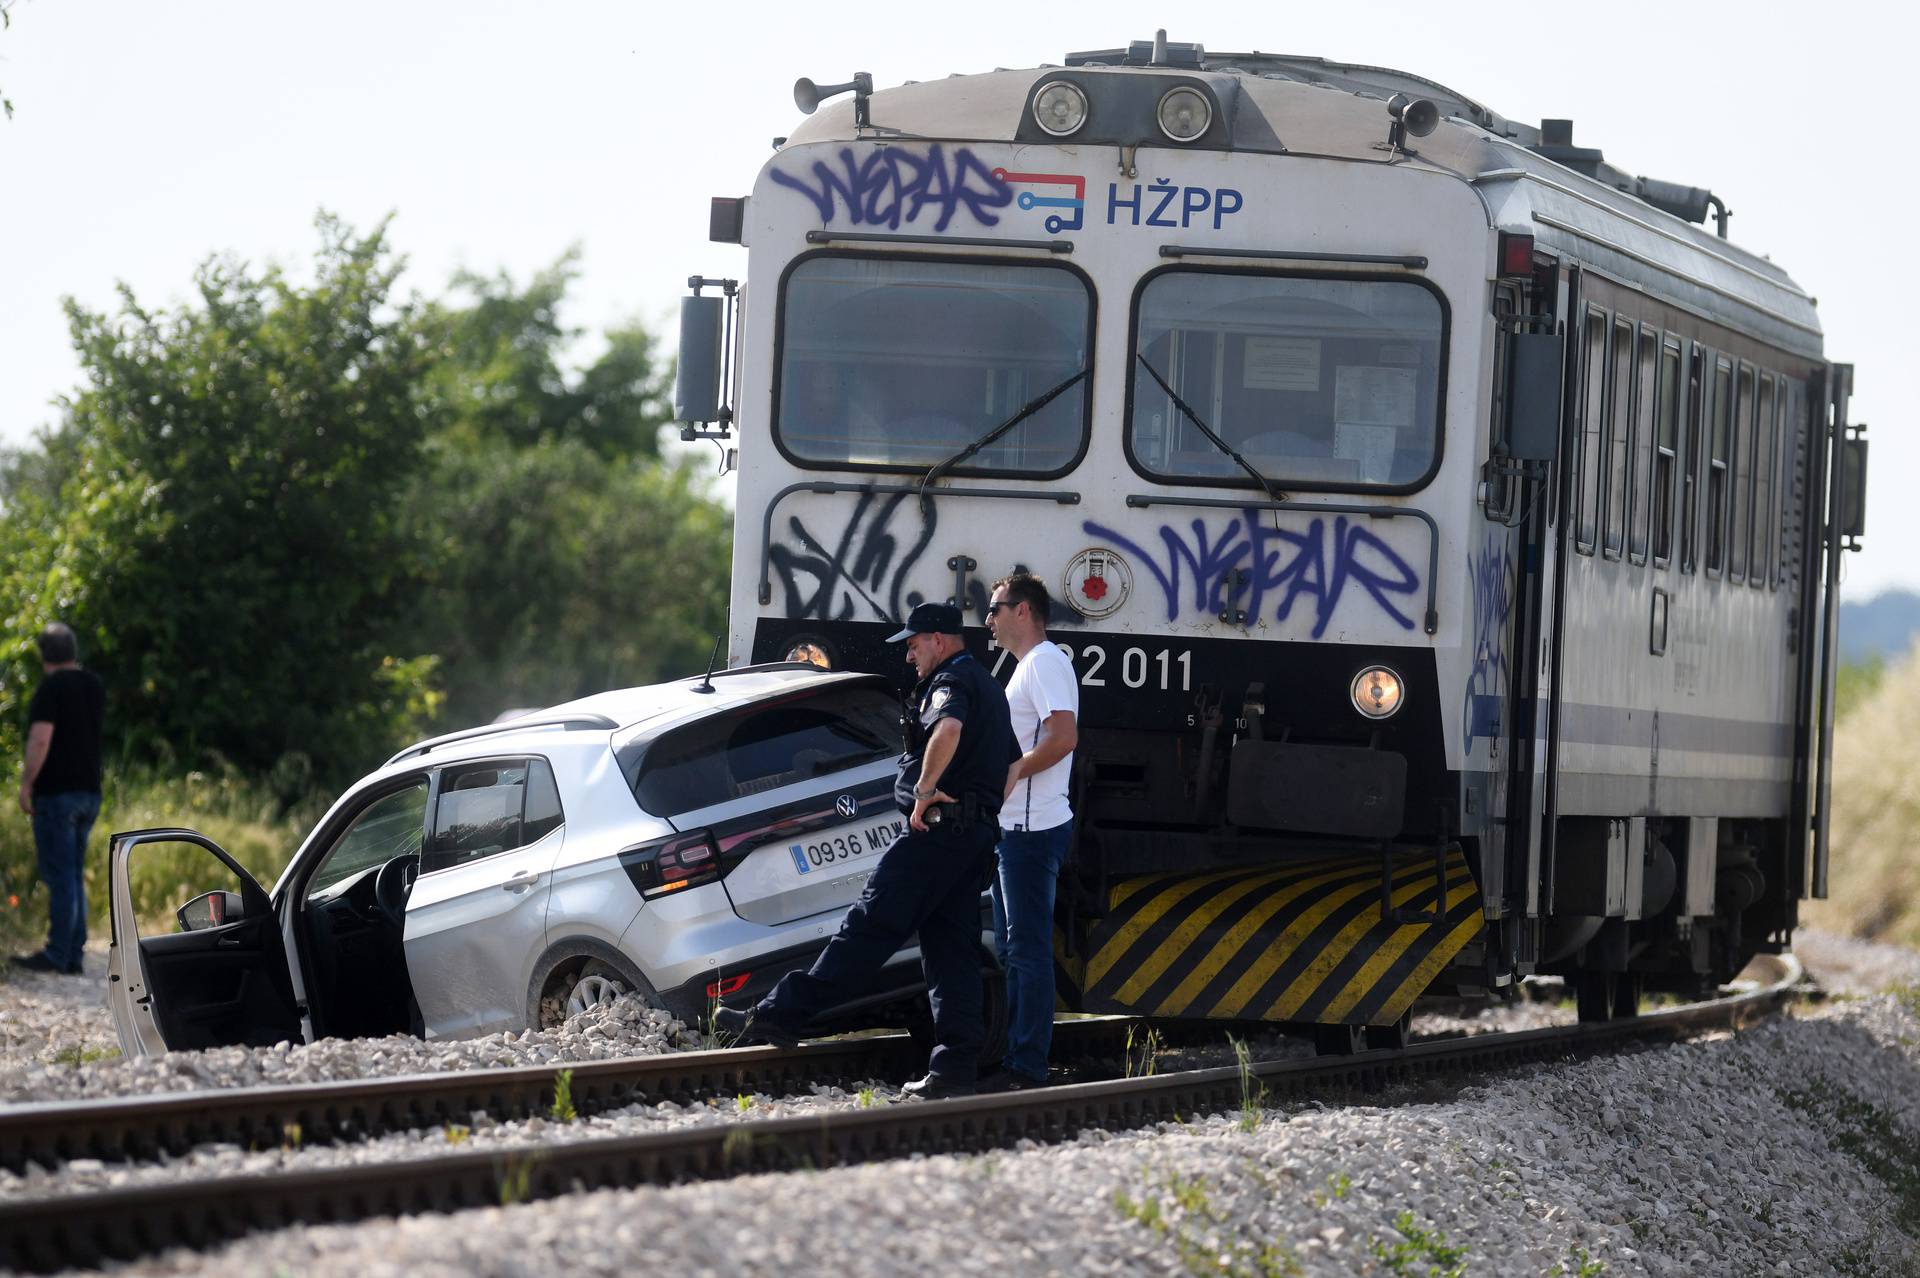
x,y
1316,382
761,747
390,826
899,363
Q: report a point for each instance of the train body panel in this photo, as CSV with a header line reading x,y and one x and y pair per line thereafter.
x,y
1254,409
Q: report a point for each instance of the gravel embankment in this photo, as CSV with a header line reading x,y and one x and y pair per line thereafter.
x,y
1725,1155
1792,1148
57,1042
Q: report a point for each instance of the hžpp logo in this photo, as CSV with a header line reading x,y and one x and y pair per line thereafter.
x,y
846,805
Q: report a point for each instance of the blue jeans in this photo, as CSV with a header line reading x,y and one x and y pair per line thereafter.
x,y
1030,863
61,824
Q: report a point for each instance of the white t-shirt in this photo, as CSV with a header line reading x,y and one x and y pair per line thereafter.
x,y
1042,684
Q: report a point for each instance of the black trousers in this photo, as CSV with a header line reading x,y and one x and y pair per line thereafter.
x,y
927,883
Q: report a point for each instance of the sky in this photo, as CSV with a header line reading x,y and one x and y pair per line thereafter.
x,y
149,136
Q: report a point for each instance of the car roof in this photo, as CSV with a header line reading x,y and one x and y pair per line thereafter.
x,y
624,708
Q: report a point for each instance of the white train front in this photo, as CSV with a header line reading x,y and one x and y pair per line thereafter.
x,y
1440,516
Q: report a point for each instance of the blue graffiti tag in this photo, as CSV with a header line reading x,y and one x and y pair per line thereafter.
x,y
1490,579
1275,560
893,185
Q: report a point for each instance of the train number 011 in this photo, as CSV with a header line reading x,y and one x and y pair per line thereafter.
x,y
1137,668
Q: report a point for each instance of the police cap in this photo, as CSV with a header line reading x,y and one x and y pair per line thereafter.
x,y
929,619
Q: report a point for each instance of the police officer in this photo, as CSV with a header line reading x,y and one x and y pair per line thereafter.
x,y
952,777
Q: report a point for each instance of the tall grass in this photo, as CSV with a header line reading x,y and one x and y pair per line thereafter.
x,y
252,820
1874,879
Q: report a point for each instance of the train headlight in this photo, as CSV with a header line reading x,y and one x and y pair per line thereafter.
x,y
812,653
1184,113
1377,692
1060,108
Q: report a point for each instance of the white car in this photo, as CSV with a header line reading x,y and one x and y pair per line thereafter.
x,y
682,842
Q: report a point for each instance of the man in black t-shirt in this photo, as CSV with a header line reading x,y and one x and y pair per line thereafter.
x,y
60,790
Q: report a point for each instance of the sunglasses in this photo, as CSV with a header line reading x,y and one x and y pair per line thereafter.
x,y
993,608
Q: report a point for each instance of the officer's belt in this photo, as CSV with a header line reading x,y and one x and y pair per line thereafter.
x,y
958,816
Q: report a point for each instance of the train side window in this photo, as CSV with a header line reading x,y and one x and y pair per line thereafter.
x,y
1690,492
1593,407
1641,459
1741,498
1619,441
1666,451
1719,436
1765,432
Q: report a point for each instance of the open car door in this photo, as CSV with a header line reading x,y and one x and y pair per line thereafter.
x,y
219,978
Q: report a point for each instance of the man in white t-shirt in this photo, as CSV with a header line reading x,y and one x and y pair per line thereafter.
x,y
1036,821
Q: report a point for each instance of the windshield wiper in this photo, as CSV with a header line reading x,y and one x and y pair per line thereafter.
x,y
1031,407
1207,430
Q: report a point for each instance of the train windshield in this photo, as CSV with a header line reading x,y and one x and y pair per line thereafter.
x,y
1318,382
898,363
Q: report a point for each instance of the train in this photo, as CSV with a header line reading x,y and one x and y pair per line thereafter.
x,y
1444,523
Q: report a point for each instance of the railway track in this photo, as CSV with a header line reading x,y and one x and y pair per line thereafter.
x,y
145,1127
115,1224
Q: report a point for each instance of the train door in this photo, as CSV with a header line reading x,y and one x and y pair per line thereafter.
x,y
1510,570
1548,545
1835,519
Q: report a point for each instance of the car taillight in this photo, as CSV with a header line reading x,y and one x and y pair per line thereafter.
x,y
672,864
727,984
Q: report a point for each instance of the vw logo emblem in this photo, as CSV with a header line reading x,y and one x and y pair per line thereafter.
x,y
845,805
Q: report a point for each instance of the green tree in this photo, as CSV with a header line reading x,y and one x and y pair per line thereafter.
x,y
498,377
556,573
565,555
6,21
219,516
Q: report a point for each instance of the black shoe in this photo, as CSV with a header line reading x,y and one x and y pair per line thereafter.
x,y
934,1087
743,1026
40,963
1008,1081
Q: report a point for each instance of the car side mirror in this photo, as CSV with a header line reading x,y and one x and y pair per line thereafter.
x,y
210,909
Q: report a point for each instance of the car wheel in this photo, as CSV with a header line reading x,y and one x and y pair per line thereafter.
x,y
593,984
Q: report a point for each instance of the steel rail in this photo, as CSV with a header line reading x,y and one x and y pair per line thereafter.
x,y
144,1127
47,1234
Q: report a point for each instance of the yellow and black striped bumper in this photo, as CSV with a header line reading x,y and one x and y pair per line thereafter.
x,y
1302,942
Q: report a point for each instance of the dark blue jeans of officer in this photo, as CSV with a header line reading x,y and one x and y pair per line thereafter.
x,y
927,883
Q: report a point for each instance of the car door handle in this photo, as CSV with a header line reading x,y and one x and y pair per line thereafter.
x,y
521,881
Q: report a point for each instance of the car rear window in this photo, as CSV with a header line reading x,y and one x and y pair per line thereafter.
x,y
763,746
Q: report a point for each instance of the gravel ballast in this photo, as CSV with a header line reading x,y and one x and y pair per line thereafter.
x,y
1767,1152
1791,1148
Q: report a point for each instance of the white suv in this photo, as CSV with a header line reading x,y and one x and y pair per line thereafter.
x,y
682,842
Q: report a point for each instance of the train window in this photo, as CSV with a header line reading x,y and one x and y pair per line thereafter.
x,y
1317,382
1690,490
1641,459
899,363
1720,412
1741,498
1592,414
1619,440
1765,431
1666,436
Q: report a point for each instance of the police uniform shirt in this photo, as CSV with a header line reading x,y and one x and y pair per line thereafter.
x,y
960,688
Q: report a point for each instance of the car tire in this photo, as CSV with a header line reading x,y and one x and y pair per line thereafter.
x,y
577,975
